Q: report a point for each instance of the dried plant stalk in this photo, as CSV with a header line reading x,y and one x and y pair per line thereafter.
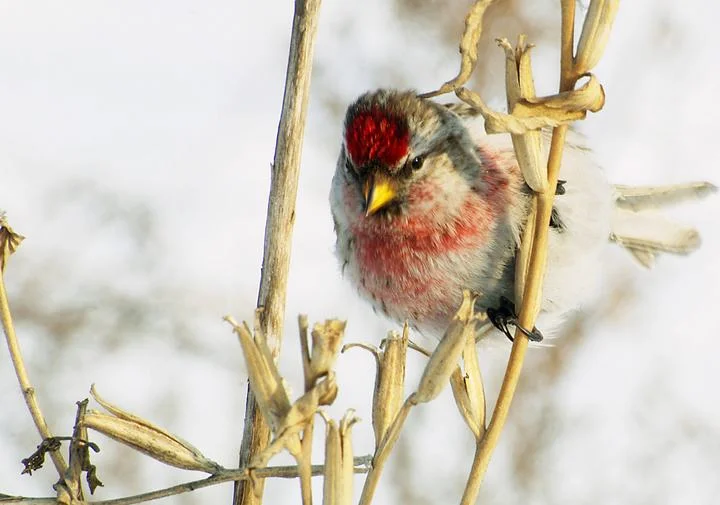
x,y
441,365
532,291
468,48
468,389
280,220
360,465
383,451
9,241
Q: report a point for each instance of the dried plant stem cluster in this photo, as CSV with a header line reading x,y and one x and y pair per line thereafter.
x,y
275,421
527,114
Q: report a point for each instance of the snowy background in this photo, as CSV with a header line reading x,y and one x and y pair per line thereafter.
x,y
135,145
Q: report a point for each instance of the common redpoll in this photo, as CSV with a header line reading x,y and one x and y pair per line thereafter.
x,y
425,205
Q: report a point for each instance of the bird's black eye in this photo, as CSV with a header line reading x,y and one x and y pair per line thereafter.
x,y
349,166
417,162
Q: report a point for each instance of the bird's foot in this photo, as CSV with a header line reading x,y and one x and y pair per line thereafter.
x,y
560,188
504,315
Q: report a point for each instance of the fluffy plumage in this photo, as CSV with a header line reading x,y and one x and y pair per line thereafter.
x,y
457,207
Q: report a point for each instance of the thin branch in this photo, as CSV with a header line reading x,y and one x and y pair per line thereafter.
x,y
280,220
383,451
532,298
26,387
362,465
468,48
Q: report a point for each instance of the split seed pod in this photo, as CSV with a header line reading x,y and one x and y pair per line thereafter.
x,y
519,85
146,437
595,34
339,464
264,376
326,340
444,359
389,380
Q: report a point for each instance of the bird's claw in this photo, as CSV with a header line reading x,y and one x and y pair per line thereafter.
x,y
560,188
505,315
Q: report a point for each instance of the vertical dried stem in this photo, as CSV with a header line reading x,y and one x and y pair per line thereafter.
x,y
280,220
383,451
305,463
78,454
28,390
532,294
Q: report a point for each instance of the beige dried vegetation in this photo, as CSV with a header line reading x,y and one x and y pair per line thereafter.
x,y
275,422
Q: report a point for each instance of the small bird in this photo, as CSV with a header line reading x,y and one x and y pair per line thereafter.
x,y
426,205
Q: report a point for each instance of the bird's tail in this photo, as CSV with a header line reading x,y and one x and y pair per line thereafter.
x,y
638,226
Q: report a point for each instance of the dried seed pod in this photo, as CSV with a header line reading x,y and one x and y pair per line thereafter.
x,y
339,464
468,390
9,240
519,85
146,437
595,34
444,359
263,374
389,380
333,488
389,383
326,340
347,467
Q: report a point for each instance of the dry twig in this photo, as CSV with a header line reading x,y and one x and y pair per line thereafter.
x,y
361,465
280,220
9,240
541,213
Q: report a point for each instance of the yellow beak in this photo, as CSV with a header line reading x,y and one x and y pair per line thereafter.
x,y
378,190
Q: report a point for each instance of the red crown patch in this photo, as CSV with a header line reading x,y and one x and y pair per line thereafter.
x,y
376,135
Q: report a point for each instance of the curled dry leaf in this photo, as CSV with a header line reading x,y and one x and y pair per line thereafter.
x,y
468,48
9,240
595,34
444,359
566,106
519,85
146,437
497,122
530,114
